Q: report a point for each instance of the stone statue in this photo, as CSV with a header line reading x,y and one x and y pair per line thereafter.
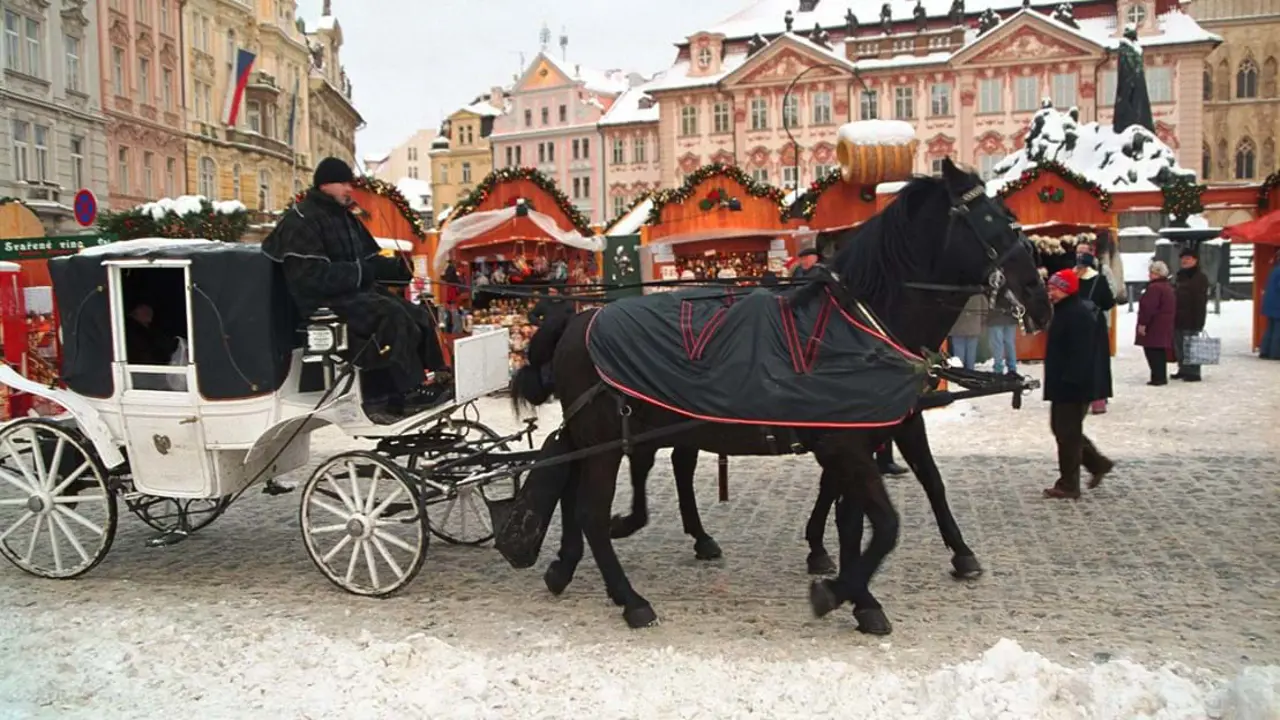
x,y
921,17
1133,105
317,57
756,44
789,19
886,19
987,21
819,36
956,14
1066,15
850,23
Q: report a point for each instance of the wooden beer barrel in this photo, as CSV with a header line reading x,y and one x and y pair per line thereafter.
x,y
871,152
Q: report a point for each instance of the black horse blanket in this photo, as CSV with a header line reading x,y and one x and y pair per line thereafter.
x,y
792,358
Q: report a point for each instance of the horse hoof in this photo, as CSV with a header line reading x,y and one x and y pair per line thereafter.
x,y
556,578
822,598
966,567
622,526
640,616
706,548
873,621
820,563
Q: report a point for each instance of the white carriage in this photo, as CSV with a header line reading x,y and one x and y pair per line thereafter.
x,y
177,443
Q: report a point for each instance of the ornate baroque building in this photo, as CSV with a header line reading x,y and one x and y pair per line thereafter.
x,y
968,81
461,156
142,98
52,132
334,119
260,161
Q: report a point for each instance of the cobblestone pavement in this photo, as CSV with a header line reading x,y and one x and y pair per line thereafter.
x,y
1175,557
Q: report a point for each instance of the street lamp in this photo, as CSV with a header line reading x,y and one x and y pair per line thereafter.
x,y
795,148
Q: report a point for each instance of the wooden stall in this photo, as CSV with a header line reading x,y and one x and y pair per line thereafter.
x,y
1264,233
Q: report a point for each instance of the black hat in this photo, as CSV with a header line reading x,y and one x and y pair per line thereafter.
x,y
332,170
810,251
1188,252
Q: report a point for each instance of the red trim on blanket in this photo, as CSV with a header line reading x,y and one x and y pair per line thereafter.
x,y
695,346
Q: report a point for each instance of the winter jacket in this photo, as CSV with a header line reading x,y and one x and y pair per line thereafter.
x,y
1271,294
1097,291
1071,363
1156,311
1192,294
970,323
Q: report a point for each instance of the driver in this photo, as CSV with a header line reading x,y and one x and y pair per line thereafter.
x,y
330,260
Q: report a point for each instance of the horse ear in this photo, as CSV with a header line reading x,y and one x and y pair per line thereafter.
x,y
959,181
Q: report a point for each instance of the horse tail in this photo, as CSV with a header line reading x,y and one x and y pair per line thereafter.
x,y
532,384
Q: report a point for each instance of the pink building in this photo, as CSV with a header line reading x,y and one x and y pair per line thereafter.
x,y
968,76
551,124
632,160
141,58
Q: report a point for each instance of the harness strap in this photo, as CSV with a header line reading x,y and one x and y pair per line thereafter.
x,y
624,412
581,402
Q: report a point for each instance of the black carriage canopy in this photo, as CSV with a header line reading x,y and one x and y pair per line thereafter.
x,y
771,358
245,325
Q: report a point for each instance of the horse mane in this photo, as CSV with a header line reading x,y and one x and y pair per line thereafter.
x,y
884,248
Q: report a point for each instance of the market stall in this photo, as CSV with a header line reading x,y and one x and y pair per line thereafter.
x,y
387,214
1264,233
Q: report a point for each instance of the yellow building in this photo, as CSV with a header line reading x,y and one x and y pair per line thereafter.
x,y
334,120
261,160
461,156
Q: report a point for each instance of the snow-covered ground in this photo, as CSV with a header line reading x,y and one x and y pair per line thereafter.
x,y
1153,597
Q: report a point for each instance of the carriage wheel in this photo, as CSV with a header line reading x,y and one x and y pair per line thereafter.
x,y
167,515
57,513
362,524
463,517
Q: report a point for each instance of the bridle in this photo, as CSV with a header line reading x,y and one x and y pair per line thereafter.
x,y
987,222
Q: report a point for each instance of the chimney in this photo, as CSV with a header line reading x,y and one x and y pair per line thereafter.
x,y
495,97
577,70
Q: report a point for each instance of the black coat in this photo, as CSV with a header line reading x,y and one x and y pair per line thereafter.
x,y
1073,371
1098,291
1192,294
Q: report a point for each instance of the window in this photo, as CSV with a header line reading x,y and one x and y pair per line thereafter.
x,y
1160,84
77,163
1064,90
144,80
207,177
1136,14
990,96
1247,80
264,190
170,177
74,81
904,103
551,151
577,188
586,187
117,71
148,175
231,47
619,205
413,171
510,158
164,16
12,41
519,155
789,175
444,174
1246,155
935,165
253,113
619,151
822,108
528,118
638,150
21,140
1207,89
821,171
791,112
564,113
1026,93
940,99
1206,162
206,37
33,48
236,189
576,150
1107,88
720,118
586,148
122,170
142,15
466,173
413,154
166,89
759,114
987,164
204,103
704,58
689,120
542,153
546,115
869,108
760,175
42,153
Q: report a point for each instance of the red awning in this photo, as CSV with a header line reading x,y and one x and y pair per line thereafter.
x,y
1261,231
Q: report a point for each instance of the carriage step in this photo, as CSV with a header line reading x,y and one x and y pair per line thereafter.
x,y
274,488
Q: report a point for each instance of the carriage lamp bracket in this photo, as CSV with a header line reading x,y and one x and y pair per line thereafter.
x,y
326,336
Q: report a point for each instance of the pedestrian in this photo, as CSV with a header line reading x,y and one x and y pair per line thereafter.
x,y
968,327
808,262
1002,336
1191,295
1156,309
1096,287
1072,380
1270,349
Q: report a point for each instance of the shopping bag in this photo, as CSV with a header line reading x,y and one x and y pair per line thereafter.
x,y
1201,350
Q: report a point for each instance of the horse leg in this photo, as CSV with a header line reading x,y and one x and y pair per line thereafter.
x,y
597,483
641,464
913,441
560,572
819,562
684,462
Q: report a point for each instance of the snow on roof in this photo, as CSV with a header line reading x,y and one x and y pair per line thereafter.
x,y
631,223
188,204
326,22
626,109
767,16
1137,231
877,132
417,192
143,244
1130,160
605,81
483,109
677,76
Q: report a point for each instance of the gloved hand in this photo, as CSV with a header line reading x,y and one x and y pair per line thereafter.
x,y
368,273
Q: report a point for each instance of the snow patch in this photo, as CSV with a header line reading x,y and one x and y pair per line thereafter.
x,y
877,132
189,205
143,244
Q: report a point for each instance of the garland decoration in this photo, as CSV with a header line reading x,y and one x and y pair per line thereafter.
x,y
807,203
225,222
1077,180
627,211
5,200
468,204
717,198
381,188
1264,193
685,192
1052,194
1182,199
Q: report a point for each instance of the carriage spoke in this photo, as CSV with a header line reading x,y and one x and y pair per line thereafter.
x,y
71,537
334,550
357,505
75,475
78,518
377,512
21,521
367,507
78,499
371,564
42,473
344,514
14,501
447,513
475,510
389,538
35,535
351,564
342,495
15,481
53,543
325,529
51,473
386,556
32,482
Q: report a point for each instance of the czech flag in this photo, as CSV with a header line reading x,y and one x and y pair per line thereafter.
x,y
235,89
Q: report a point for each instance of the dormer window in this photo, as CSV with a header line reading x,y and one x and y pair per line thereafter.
x,y
704,58
1136,14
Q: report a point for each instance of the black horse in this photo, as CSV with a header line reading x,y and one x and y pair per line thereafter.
x,y
915,264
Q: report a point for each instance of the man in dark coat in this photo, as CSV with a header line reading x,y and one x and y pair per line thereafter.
x,y
809,260
330,260
1192,294
1072,380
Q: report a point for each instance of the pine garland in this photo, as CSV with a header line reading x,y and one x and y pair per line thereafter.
x,y
733,172
207,224
1264,192
381,188
1077,180
1182,199
471,202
